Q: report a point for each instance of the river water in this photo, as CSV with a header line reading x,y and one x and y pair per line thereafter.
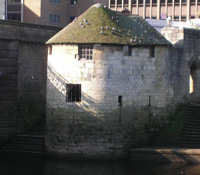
x,y
36,165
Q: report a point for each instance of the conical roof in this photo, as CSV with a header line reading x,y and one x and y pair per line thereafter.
x,y
100,25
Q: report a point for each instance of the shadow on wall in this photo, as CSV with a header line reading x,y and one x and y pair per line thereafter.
x,y
93,106
86,127
30,16
59,82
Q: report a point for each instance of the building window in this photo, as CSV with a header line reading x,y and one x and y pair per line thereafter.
x,y
73,92
134,2
58,19
112,2
71,18
50,18
73,2
86,52
14,16
50,50
54,18
14,1
55,1
152,51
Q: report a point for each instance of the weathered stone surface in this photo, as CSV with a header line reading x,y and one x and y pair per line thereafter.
x,y
98,125
23,80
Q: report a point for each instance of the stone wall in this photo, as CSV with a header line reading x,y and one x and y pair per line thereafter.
x,y
185,59
23,81
97,127
8,88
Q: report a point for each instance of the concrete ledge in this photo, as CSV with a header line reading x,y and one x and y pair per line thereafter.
x,y
165,155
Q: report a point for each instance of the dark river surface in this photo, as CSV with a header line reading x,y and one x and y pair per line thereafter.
x,y
36,165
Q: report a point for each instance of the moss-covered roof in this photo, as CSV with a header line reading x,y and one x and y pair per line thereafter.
x,y
100,25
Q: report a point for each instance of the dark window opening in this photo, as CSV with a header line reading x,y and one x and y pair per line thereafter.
x,y
14,16
58,19
73,2
13,1
86,52
152,51
154,2
112,2
176,2
50,18
73,92
71,18
120,100
50,50
126,2
134,2
129,51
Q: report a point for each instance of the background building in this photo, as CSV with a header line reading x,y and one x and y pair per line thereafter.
x,y
179,10
47,12
60,13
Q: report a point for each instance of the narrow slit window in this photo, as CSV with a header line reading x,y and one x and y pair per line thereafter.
x,y
73,92
152,51
50,50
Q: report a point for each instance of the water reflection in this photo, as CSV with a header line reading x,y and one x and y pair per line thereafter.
x,y
37,165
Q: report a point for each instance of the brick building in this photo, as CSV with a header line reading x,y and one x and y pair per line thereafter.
x,y
47,12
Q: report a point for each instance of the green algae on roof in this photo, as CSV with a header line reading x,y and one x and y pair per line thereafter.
x,y
100,25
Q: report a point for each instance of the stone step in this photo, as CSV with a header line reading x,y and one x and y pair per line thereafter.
x,y
192,120
31,142
191,131
193,113
191,125
24,149
190,146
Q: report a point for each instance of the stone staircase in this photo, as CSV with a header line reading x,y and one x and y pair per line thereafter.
x,y
190,137
30,142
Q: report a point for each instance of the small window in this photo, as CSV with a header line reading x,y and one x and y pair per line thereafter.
x,y
13,1
50,18
54,18
58,19
50,50
152,51
127,50
71,18
73,92
112,2
86,52
73,2
58,1
14,16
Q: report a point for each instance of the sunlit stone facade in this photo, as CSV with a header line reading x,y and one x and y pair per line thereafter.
x,y
119,93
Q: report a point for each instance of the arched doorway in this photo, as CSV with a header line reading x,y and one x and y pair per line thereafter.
x,y
195,81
